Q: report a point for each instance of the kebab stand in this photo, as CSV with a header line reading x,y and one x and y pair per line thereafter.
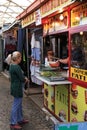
x,y
66,97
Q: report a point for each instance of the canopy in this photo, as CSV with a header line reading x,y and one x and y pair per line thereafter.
x,y
9,9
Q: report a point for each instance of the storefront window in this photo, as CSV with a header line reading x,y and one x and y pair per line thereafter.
x,y
79,50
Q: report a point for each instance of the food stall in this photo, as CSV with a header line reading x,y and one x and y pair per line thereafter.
x,y
56,91
64,93
55,78
78,66
63,97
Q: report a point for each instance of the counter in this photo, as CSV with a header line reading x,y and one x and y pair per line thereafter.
x,y
56,97
64,100
43,79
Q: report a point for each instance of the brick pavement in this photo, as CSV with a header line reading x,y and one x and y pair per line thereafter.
x,y
37,118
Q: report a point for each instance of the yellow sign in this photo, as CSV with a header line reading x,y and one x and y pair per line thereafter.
x,y
78,74
28,20
79,15
48,8
53,5
61,102
78,103
49,97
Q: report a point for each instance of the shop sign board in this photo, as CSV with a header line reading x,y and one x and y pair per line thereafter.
x,y
28,20
53,5
48,8
78,74
79,15
72,126
55,23
38,17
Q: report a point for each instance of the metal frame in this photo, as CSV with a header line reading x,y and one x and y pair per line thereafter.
x,y
10,9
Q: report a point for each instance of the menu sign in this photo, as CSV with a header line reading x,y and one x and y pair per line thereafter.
x,y
78,74
55,23
79,15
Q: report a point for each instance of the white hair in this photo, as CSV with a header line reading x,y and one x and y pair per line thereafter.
x,y
15,55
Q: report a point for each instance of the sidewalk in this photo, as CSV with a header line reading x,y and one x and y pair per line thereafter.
x,y
39,117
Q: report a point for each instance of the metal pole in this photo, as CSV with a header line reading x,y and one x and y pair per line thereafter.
x,y
27,57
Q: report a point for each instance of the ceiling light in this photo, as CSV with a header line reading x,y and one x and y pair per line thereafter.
x,y
81,33
61,17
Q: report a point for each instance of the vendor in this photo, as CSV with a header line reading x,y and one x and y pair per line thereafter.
x,y
49,58
50,54
77,57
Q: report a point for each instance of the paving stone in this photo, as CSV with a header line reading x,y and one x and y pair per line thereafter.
x,y
37,118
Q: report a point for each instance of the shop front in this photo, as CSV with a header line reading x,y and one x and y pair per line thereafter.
x,y
56,83
61,32
78,63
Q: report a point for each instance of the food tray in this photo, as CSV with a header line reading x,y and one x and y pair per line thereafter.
x,y
53,79
57,78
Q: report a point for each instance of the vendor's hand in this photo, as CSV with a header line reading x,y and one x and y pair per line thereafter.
x,y
60,60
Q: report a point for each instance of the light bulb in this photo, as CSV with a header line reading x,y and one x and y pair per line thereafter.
x,y
61,17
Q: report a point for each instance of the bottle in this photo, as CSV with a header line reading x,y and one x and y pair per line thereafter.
x,y
46,62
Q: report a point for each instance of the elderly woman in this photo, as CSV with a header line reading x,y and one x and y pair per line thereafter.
x,y
17,79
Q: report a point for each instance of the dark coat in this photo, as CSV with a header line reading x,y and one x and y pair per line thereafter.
x,y
17,78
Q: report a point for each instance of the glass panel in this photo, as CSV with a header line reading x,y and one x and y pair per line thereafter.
x,y
10,9
79,50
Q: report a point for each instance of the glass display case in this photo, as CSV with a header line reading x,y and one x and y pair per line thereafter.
x,y
78,55
79,50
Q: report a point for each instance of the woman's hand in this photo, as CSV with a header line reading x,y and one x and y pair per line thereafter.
x,y
26,80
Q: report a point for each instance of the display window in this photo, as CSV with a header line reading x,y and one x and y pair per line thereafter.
x,y
78,54
79,50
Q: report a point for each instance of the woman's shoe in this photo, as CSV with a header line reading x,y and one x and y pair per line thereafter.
x,y
24,121
16,126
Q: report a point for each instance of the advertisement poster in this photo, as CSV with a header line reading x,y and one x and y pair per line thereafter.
x,y
78,103
61,102
72,126
49,97
79,15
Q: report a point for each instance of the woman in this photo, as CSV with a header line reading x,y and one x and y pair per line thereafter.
x,y
17,79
